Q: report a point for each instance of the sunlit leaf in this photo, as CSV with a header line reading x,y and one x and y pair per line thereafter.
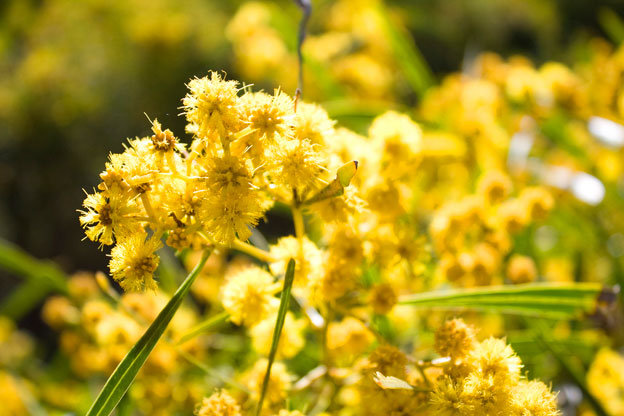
x,y
279,324
568,300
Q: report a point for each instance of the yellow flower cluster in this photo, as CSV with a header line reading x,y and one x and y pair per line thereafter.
x,y
443,201
248,151
473,378
473,235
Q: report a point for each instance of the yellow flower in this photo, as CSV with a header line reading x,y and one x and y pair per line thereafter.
x,y
455,339
228,176
338,279
494,358
533,398
341,209
299,165
141,164
163,141
486,395
10,395
270,117
447,399
212,106
108,216
537,201
398,141
312,123
345,244
134,261
521,269
117,329
248,296
220,403
58,312
382,298
227,218
605,380
512,216
279,381
113,178
495,186
348,338
308,259
389,361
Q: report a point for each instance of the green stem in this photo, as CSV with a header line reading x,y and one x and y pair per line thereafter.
x,y
253,251
299,225
208,324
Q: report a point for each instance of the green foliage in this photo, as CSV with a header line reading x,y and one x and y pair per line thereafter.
x,y
289,278
557,301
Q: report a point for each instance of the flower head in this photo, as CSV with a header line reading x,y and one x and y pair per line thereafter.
x,y
220,403
268,116
248,296
109,215
134,261
212,106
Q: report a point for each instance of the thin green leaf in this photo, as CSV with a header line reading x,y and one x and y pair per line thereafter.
x,y
534,299
41,278
408,57
126,407
205,326
212,372
119,382
23,299
170,272
346,107
279,324
15,260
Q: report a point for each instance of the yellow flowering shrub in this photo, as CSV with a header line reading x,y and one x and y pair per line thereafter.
x,y
503,183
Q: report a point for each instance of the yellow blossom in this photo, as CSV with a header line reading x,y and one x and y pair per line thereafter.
x,y
134,261
212,106
248,296
220,403
109,216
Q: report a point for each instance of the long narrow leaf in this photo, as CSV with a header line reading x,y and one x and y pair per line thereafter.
x,y
207,325
40,278
279,324
22,300
119,382
15,260
534,299
408,56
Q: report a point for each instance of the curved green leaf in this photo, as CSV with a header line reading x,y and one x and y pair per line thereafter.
x,y
549,300
119,382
